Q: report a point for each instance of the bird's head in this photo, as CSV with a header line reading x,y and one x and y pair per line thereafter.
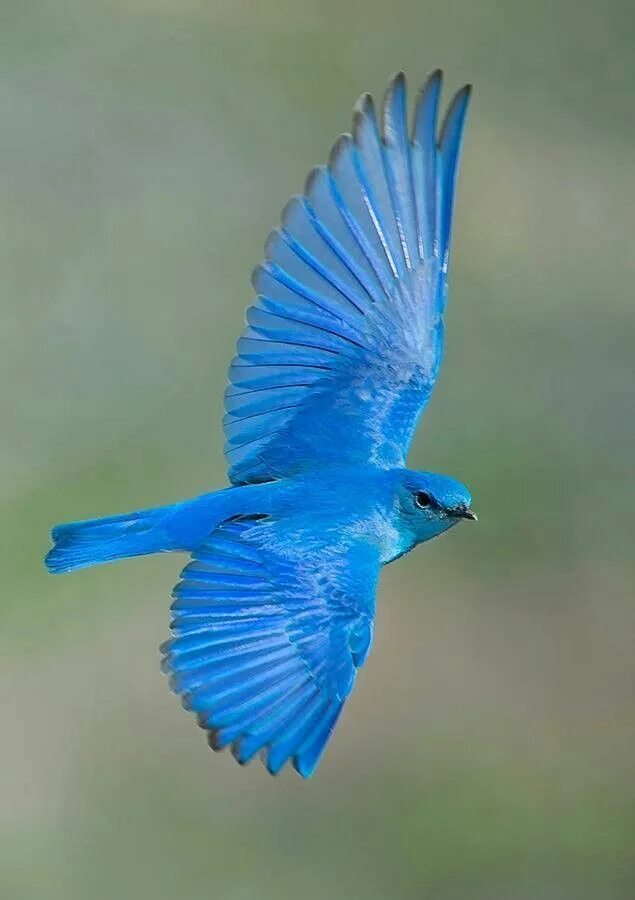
x,y
429,504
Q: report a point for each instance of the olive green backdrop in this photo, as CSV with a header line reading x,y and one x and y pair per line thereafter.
x,y
146,148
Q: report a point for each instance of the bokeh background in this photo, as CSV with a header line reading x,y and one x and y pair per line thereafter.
x,y
146,148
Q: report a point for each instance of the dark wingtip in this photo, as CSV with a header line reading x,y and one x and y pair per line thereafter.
x,y
430,88
364,105
313,176
461,98
464,93
399,78
364,109
434,81
396,83
436,75
339,147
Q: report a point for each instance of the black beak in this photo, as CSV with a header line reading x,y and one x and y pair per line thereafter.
x,y
466,514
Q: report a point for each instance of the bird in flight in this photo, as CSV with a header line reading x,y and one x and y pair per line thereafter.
x,y
274,612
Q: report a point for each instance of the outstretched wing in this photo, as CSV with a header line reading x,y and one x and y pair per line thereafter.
x,y
344,342
267,639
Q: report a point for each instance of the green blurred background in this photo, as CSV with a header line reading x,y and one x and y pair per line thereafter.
x,y
146,148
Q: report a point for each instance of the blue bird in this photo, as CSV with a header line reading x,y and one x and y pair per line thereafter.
x,y
274,612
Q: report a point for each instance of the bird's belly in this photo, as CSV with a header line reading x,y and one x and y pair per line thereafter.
x,y
381,530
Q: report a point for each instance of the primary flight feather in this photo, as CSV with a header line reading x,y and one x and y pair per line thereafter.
x,y
274,613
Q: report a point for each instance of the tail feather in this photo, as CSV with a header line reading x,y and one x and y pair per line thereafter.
x,y
177,526
80,544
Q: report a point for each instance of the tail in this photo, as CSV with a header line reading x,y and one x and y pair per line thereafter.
x,y
178,526
80,544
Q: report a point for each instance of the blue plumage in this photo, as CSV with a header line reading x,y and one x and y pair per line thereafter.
x,y
257,647
273,615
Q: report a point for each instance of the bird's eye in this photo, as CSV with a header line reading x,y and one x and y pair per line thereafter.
x,y
423,500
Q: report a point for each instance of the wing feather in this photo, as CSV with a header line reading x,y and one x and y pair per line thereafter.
x,y
266,641
343,345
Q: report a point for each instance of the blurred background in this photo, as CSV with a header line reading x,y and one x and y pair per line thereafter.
x,y
146,148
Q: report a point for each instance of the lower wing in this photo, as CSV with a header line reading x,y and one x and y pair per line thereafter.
x,y
267,639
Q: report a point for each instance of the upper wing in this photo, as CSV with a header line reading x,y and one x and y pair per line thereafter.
x,y
267,638
344,342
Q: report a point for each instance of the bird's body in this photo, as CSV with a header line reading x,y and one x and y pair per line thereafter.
x,y
274,613
331,505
